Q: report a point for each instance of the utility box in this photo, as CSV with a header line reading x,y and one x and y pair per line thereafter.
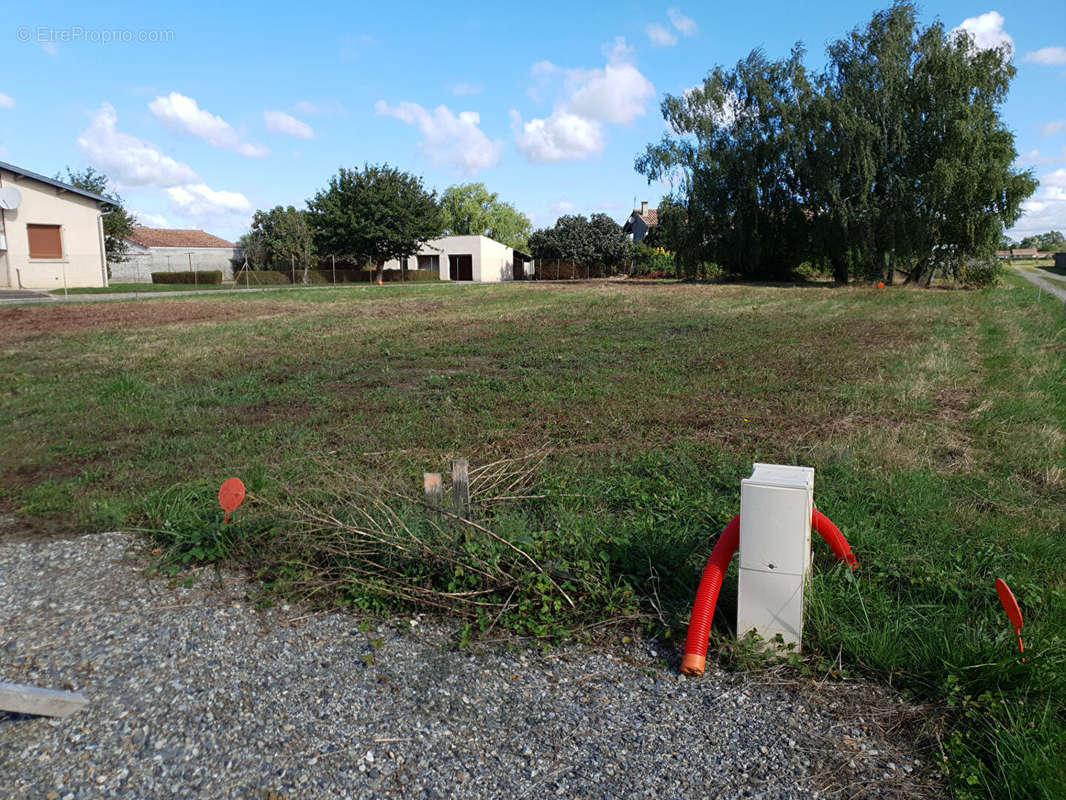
x,y
776,504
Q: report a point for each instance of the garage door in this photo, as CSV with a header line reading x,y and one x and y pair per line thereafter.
x,y
461,268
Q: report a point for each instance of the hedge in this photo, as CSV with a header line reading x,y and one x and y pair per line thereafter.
x,y
367,275
266,277
205,276
261,277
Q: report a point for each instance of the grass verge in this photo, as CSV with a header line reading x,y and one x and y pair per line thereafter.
x,y
934,419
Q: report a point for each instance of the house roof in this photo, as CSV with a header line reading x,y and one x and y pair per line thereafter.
x,y
25,173
176,237
650,217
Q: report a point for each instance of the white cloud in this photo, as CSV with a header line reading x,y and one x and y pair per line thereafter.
x,y
660,35
561,137
447,137
320,108
1046,210
1040,157
152,220
280,122
183,113
127,160
200,200
1048,55
465,89
987,32
682,23
562,207
6,101
616,94
1053,128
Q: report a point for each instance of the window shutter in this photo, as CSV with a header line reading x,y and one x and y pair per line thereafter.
x,y
45,241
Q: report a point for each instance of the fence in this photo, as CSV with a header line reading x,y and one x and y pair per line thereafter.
x,y
552,269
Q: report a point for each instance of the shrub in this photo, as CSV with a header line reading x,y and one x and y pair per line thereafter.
x,y
981,272
205,276
261,277
652,260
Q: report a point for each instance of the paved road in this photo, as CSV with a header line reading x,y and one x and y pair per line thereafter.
x,y
1054,285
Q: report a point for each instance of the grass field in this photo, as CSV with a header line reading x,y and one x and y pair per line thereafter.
x,y
935,421
122,288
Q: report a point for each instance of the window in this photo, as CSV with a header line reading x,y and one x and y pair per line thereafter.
x,y
429,262
45,241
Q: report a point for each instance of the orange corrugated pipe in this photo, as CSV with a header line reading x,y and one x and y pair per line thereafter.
x,y
699,624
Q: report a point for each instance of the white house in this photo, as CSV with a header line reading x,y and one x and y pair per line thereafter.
x,y
471,258
173,250
640,222
51,233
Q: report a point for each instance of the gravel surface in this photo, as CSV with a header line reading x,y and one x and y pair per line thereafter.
x,y
196,693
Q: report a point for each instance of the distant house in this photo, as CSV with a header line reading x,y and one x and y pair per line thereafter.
x,y
173,250
1021,252
470,258
641,221
51,233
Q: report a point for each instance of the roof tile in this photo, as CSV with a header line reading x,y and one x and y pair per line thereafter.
x,y
176,237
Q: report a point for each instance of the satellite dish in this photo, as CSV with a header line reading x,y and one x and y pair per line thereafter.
x,y
10,198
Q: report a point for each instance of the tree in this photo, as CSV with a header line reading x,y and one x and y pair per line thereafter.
x,y
893,157
378,213
1052,242
574,237
118,223
470,208
279,237
734,147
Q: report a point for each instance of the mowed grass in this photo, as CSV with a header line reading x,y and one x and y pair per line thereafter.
x,y
935,421
146,288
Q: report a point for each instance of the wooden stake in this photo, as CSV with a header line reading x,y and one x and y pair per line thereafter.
x,y
22,699
434,489
461,483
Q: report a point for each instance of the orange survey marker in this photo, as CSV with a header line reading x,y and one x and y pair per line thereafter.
x,y
230,495
1010,605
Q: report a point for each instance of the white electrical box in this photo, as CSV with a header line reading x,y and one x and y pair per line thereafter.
x,y
776,503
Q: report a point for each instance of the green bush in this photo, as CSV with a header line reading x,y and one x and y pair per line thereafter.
x,y
652,261
198,276
261,277
417,275
981,272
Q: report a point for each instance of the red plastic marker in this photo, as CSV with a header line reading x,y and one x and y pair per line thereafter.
x,y
1010,605
230,495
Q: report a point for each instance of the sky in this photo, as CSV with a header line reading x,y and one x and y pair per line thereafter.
x,y
201,113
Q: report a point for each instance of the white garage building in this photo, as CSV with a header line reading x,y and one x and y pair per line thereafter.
x,y
471,258
51,233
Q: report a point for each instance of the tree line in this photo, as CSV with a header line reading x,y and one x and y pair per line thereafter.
x,y
892,159
377,214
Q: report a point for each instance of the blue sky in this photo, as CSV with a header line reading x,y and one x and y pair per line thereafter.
x,y
208,111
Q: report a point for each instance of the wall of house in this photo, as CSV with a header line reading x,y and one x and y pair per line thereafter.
x,y
491,261
143,262
639,226
497,262
81,234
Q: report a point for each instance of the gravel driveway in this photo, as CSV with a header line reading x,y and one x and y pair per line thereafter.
x,y
196,693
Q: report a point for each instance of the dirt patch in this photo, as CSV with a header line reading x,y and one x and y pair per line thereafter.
x,y
23,323
271,410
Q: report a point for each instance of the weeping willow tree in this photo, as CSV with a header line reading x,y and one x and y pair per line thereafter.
x,y
892,158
